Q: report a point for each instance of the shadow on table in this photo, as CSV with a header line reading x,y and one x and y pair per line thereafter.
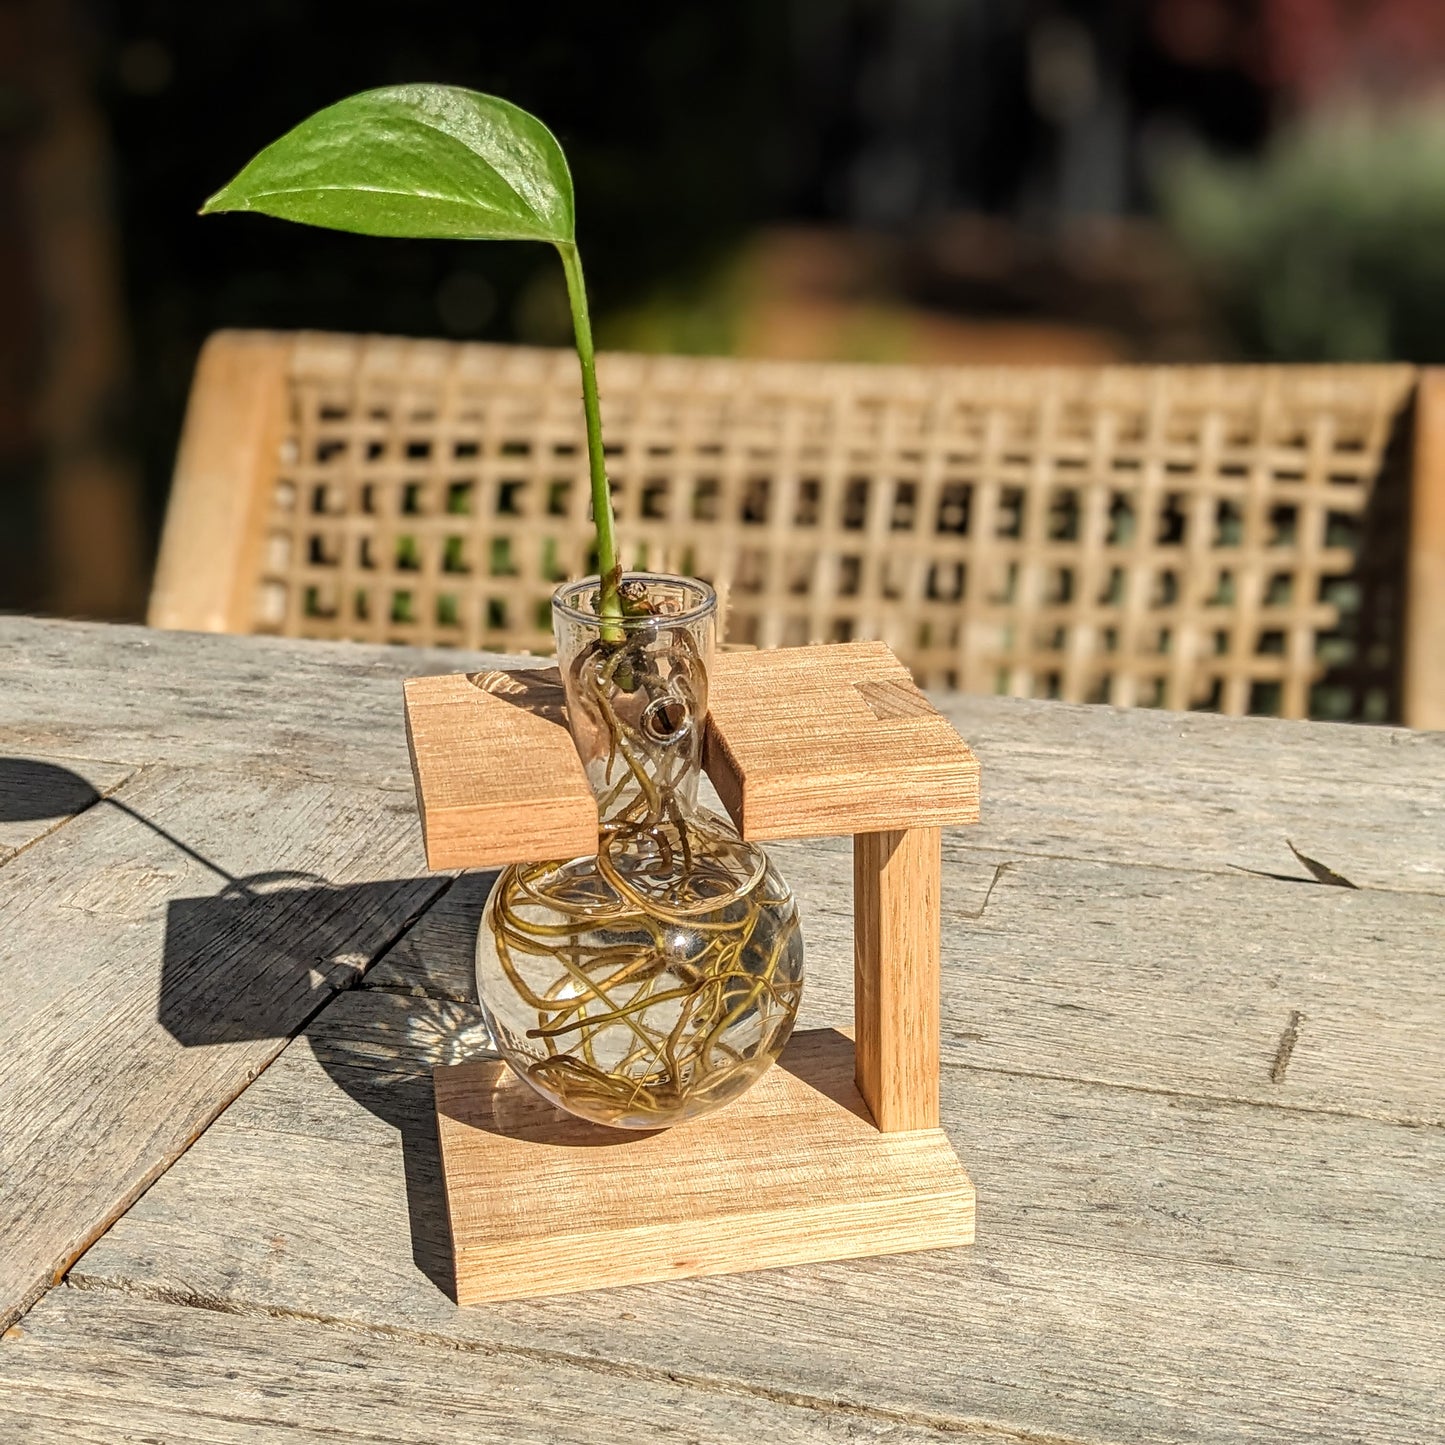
x,y
35,792
263,957
264,963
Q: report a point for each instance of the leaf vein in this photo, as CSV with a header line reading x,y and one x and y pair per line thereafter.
x,y
375,190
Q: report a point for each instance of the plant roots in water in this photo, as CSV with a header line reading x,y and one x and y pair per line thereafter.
x,y
654,982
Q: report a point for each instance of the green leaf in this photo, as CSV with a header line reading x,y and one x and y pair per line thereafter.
x,y
414,160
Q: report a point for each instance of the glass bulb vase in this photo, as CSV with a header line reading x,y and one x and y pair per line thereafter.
x,y
658,979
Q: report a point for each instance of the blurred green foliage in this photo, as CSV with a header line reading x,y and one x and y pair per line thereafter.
x,y
1331,247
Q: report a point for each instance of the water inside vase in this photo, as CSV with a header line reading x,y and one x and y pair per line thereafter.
x,y
658,979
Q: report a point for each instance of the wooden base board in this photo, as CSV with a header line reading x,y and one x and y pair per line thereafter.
x,y
793,1172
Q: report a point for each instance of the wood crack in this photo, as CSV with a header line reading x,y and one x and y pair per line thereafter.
x,y
194,1412
957,850
1402,1121
1287,1040
417,990
100,795
796,1399
999,870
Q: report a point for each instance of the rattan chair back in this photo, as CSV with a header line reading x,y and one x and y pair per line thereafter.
x,y
1231,538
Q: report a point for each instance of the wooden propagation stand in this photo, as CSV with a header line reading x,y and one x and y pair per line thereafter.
x,y
837,1151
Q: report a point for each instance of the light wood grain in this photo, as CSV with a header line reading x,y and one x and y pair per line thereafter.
x,y
1139,978
1189,984
1113,1022
1166,789
897,889
1423,682
143,990
98,1367
1186,791
1327,1196
826,740
1156,980
800,742
1117,1291
208,572
497,779
794,1171
438,956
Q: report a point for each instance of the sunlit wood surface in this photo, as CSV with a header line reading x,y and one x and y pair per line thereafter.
x,y
1201,1094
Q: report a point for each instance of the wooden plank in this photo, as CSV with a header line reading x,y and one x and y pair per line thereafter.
x,y
897,887
1045,1342
793,1172
438,956
855,746
1306,1290
1186,790
209,701
1191,983
1424,663
1176,790
1141,978
211,547
825,740
1087,1165
144,990
498,779
101,1367
39,794
1118,1290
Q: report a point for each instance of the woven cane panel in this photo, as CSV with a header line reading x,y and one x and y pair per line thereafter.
x,y
1174,537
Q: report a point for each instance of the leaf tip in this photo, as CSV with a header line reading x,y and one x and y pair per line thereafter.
x,y
219,202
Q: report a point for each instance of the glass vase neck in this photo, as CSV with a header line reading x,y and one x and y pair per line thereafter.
x,y
637,692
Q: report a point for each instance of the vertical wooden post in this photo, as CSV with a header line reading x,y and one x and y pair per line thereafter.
x,y
1424,671
897,879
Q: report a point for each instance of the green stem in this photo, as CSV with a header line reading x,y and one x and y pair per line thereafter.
x,y
609,604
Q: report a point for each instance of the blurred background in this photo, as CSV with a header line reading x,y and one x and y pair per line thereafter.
x,y
994,181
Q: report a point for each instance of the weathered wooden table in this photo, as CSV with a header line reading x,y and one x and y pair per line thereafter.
x,y
1200,1093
